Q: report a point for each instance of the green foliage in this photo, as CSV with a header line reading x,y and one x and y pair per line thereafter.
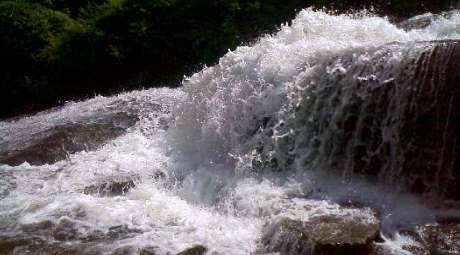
x,y
26,30
56,50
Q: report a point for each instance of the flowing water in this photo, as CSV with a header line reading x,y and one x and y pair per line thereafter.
x,y
215,161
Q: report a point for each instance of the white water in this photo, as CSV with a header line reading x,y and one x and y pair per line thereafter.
x,y
204,137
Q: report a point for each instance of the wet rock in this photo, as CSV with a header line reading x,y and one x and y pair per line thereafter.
x,y
55,142
397,124
122,231
110,188
132,250
114,233
21,245
9,244
150,250
7,183
68,230
442,238
65,230
125,250
407,250
327,234
417,22
195,250
422,21
429,134
37,226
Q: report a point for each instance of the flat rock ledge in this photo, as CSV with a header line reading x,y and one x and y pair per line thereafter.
x,y
323,235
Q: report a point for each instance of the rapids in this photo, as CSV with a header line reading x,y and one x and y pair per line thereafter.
x,y
215,161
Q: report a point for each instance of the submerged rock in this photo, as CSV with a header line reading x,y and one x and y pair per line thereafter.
x,y
326,234
195,250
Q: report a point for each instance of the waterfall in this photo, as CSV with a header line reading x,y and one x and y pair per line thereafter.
x,y
328,110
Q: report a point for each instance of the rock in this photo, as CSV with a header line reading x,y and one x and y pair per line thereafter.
x,y
48,144
442,238
110,188
15,245
423,21
394,123
327,234
64,230
132,250
68,230
37,226
114,233
431,128
149,250
412,250
195,250
417,22
125,250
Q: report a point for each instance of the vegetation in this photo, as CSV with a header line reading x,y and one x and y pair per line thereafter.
x,y
55,50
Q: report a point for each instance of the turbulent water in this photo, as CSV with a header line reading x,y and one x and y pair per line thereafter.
x,y
214,162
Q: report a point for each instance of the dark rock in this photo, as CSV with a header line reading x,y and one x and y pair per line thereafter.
x,y
442,238
132,250
430,133
195,250
417,22
110,189
150,250
37,226
15,245
397,123
65,230
68,230
9,244
114,233
328,234
56,142
125,250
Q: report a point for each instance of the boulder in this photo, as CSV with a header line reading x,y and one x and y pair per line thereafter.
x,y
195,250
322,235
